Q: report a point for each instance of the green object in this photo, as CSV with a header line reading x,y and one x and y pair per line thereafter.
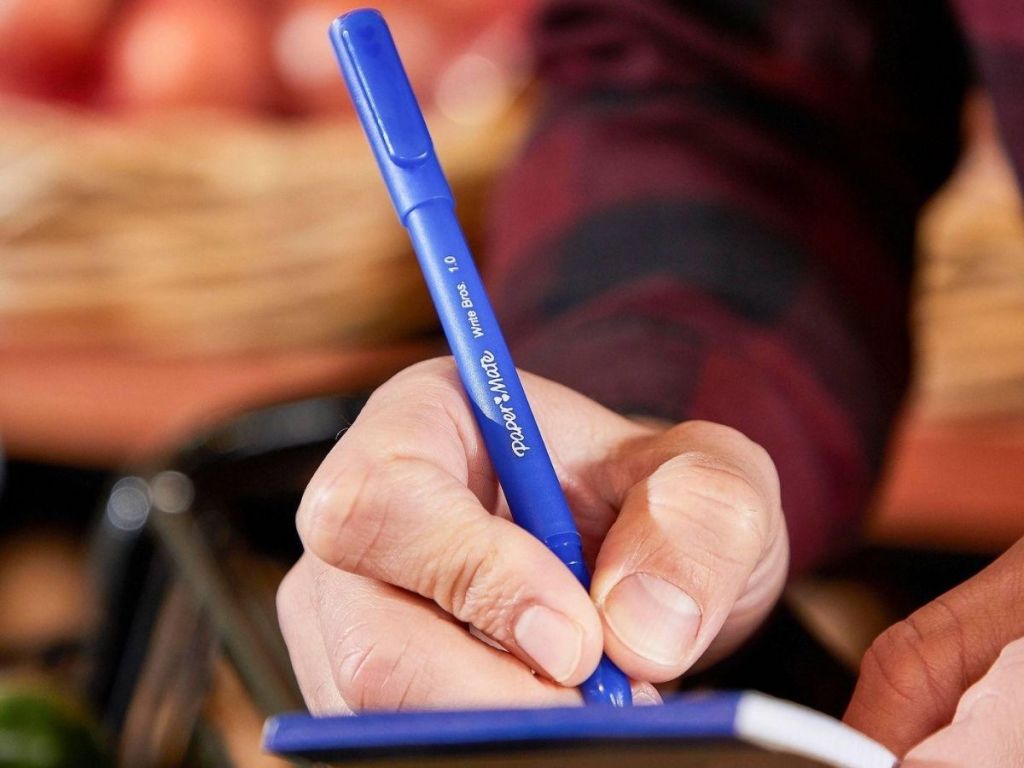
x,y
42,729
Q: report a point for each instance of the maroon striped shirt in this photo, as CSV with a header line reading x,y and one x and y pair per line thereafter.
x,y
714,217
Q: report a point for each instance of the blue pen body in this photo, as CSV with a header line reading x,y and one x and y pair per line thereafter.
x,y
489,376
404,151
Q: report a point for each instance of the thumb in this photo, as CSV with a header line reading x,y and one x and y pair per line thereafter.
x,y
988,728
697,555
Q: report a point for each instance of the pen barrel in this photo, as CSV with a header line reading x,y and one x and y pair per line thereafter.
x,y
498,400
398,135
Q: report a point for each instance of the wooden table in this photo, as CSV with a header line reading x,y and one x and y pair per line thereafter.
x,y
107,410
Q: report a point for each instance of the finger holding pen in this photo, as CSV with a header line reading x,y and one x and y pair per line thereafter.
x,y
608,465
395,502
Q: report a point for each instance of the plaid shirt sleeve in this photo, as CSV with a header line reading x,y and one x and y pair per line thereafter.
x,y
714,219
994,30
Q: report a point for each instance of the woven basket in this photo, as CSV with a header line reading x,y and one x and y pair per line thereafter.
x,y
199,234
970,310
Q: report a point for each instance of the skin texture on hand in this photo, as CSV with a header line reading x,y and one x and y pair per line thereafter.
x,y
409,546
988,728
950,678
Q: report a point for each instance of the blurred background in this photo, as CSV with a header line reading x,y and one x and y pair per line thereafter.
x,y
200,280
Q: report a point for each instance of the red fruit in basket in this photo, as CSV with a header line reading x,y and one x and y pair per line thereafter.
x,y
44,44
305,63
190,53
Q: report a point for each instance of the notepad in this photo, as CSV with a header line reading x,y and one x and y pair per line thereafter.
x,y
717,730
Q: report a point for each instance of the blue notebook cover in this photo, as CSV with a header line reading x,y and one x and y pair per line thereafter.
x,y
714,729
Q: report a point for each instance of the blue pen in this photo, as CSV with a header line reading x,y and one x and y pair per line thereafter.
x,y
398,134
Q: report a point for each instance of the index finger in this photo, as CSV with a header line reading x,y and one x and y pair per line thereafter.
x,y
915,672
402,499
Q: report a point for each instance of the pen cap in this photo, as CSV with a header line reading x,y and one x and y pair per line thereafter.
x,y
388,110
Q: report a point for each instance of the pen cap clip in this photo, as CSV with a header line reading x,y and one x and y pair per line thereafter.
x,y
384,85
388,109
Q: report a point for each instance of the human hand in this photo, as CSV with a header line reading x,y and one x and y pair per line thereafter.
x,y
950,678
409,543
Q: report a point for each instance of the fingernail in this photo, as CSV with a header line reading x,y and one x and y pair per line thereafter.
x,y
646,696
653,618
552,640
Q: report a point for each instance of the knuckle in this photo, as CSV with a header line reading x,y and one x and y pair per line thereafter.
x,y
337,509
472,586
899,664
417,384
713,433
750,452
420,413
373,673
442,366
988,701
749,519
423,382
700,430
715,491
432,369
